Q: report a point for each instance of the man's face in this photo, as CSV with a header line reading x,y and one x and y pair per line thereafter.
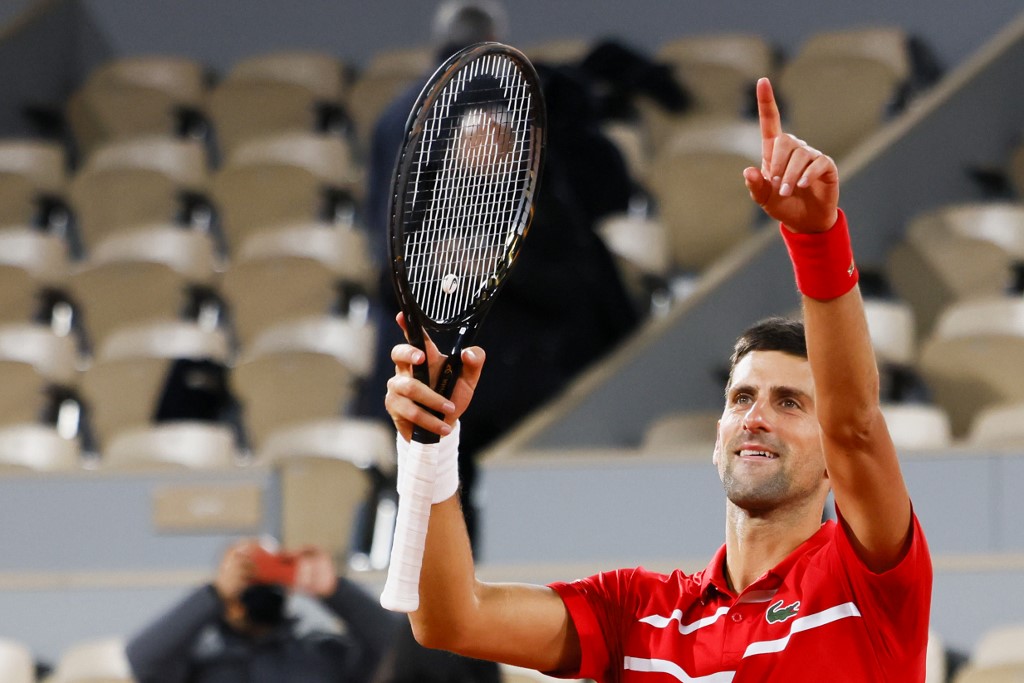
x,y
768,450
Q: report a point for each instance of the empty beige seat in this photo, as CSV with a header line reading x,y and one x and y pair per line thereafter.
x,y
265,292
569,50
16,662
328,157
351,342
184,160
191,253
166,339
102,659
704,208
321,73
933,274
42,162
1000,425
998,222
112,200
684,434
388,74
1011,673
343,250
243,110
53,356
122,394
836,102
917,426
186,444
19,200
30,263
999,646
24,398
36,447
120,293
136,97
719,70
975,358
891,325
322,464
289,387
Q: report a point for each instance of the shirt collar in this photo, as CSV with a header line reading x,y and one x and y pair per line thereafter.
x,y
713,577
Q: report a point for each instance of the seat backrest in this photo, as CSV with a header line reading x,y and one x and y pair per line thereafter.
x,y
888,44
998,222
353,342
54,357
43,256
36,447
999,425
180,78
117,294
42,162
684,434
242,110
834,102
281,389
181,159
16,663
999,646
891,325
917,426
344,250
328,157
123,394
185,444
191,253
166,339
321,73
91,660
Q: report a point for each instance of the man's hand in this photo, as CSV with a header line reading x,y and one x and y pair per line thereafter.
x,y
407,397
315,573
796,184
235,571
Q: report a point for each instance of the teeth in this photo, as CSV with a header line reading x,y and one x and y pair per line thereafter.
x,y
756,454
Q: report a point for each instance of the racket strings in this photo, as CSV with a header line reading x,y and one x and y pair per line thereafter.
x,y
475,211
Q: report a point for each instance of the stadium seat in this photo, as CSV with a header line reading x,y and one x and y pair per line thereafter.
x,y
917,426
21,202
182,159
1011,673
975,358
166,339
42,162
122,293
683,434
243,110
693,181
16,663
353,342
103,659
640,248
558,51
54,357
387,75
262,293
935,659
36,447
288,387
31,264
175,445
321,73
835,102
112,200
999,646
1000,425
328,157
191,253
324,479
933,275
137,97
719,70
998,222
887,44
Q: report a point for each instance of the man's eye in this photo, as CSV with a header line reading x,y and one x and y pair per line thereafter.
x,y
742,398
790,403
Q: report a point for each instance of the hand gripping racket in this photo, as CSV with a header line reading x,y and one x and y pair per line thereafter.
x,y
461,204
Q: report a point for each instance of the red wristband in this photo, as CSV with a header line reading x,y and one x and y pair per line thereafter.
x,y
822,261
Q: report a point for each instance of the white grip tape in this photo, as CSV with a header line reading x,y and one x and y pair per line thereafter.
x,y
401,589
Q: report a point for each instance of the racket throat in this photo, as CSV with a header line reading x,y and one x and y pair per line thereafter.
x,y
452,366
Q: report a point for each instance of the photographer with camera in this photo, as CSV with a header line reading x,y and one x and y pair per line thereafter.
x,y
238,629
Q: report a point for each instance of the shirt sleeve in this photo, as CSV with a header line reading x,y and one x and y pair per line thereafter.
x,y
897,600
160,653
596,606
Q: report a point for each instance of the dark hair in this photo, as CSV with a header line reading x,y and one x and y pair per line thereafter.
x,y
771,334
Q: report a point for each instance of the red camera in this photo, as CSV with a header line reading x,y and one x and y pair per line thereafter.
x,y
271,567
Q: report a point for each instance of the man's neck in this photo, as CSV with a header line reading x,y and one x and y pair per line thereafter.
x,y
755,544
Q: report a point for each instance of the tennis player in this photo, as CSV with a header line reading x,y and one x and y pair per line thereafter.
x,y
786,598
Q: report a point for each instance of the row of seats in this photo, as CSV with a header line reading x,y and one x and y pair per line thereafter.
x,y
995,658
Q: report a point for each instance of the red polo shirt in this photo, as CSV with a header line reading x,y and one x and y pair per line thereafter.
x,y
820,615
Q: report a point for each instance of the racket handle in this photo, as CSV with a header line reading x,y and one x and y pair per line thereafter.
x,y
402,586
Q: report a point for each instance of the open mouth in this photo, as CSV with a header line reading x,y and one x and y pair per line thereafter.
x,y
756,453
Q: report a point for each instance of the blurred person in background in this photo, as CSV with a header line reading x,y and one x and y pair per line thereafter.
x,y
240,628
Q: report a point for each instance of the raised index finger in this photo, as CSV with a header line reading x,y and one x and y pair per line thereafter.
x,y
768,111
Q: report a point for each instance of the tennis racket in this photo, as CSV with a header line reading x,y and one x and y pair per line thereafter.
x,y
461,203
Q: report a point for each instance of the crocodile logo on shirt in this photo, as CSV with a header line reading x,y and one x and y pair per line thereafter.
x,y
777,614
